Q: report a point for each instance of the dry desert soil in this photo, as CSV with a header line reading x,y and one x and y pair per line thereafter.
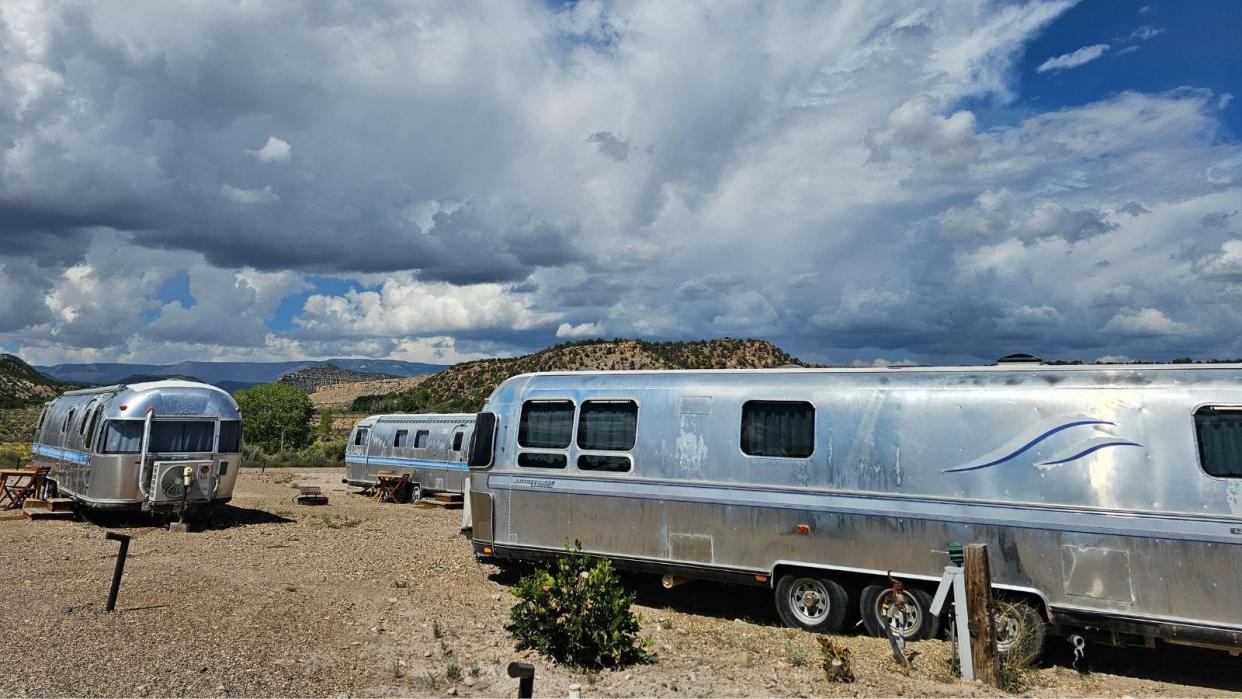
x,y
365,599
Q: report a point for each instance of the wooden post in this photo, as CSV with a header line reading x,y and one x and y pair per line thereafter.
x,y
979,610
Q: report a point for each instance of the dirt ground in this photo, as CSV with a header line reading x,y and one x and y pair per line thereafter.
x,y
359,598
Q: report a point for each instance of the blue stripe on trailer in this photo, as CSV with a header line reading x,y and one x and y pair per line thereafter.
x,y
78,457
398,461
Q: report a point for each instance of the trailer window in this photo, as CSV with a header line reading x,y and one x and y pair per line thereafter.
x,y
603,462
457,441
42,417
360,436
180,436
778,428
608,425
401,438
535,459
68,419
123,437
546,424
230,437
90,431
1219,433
421,438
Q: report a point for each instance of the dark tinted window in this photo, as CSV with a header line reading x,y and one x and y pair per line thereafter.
x,y
481,440
778,428
401,438
600,462
68,419
230,437
360,437
420,439
123,437
607,424
457,441
547,424
532,459
1219,432
181,436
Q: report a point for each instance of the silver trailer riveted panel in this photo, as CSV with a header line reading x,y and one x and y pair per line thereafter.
x,y
430,447
1110,496
129,447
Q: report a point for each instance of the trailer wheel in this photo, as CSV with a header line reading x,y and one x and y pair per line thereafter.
x,y
1020,631
814,604
920,624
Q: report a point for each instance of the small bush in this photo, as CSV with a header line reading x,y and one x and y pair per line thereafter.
x,y
578,613
836,661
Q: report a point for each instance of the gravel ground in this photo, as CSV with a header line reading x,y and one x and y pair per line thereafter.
x,y
358,598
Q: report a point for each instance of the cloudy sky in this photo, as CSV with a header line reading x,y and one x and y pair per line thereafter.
x,y
439,181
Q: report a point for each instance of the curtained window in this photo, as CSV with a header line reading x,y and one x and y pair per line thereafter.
x,y
778,428
401,438
230,437
608,425
123,437
1219,432
181,436
546,424
421,438
360,437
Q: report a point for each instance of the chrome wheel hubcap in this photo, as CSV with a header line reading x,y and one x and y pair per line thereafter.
x,y
808,599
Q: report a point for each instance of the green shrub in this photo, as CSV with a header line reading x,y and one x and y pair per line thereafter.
x,y
577,613
319,455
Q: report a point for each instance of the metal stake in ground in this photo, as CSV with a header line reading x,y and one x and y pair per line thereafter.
x,y
120,567
525,674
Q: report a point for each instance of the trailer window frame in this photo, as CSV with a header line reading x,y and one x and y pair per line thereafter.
x,y
400,438
421,438
1223,408
527,452
91,431
618,456
459,437
742,424
64,428
360,436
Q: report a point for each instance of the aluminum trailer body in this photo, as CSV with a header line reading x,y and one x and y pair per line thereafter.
x,y
127,447
1110,497
430,447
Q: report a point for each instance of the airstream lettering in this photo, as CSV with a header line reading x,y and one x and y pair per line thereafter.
x,y
1110,497
431,448
135,447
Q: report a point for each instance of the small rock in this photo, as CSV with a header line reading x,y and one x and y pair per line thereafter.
x,y
66,610
469,681
427,654
355,643
496,597
452,691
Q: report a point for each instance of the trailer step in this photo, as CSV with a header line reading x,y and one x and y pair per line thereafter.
x,y
443,501
52,508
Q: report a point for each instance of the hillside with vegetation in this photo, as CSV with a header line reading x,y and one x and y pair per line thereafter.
x,y
464,387
21,385
313,378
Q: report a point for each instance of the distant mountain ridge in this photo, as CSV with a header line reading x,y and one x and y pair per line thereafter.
x,y
313,378
229,375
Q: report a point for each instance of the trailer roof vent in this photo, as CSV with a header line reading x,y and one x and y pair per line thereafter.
x,y
1020,358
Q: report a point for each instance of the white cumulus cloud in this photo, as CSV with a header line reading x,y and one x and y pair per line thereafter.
x,y
274,151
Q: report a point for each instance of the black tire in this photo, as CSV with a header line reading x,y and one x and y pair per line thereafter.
x,y
920,624
813,603
1020,631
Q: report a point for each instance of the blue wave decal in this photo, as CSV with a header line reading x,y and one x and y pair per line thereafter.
x,y
1090,450
1020,450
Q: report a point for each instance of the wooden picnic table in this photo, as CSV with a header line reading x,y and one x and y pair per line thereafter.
x,y
389,486
17,484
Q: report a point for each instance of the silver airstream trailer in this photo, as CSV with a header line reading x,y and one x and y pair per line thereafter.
x,y
1110,496
135,447
429,447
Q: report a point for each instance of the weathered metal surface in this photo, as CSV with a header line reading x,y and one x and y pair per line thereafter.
x,y
437,466
1094,467
122,481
